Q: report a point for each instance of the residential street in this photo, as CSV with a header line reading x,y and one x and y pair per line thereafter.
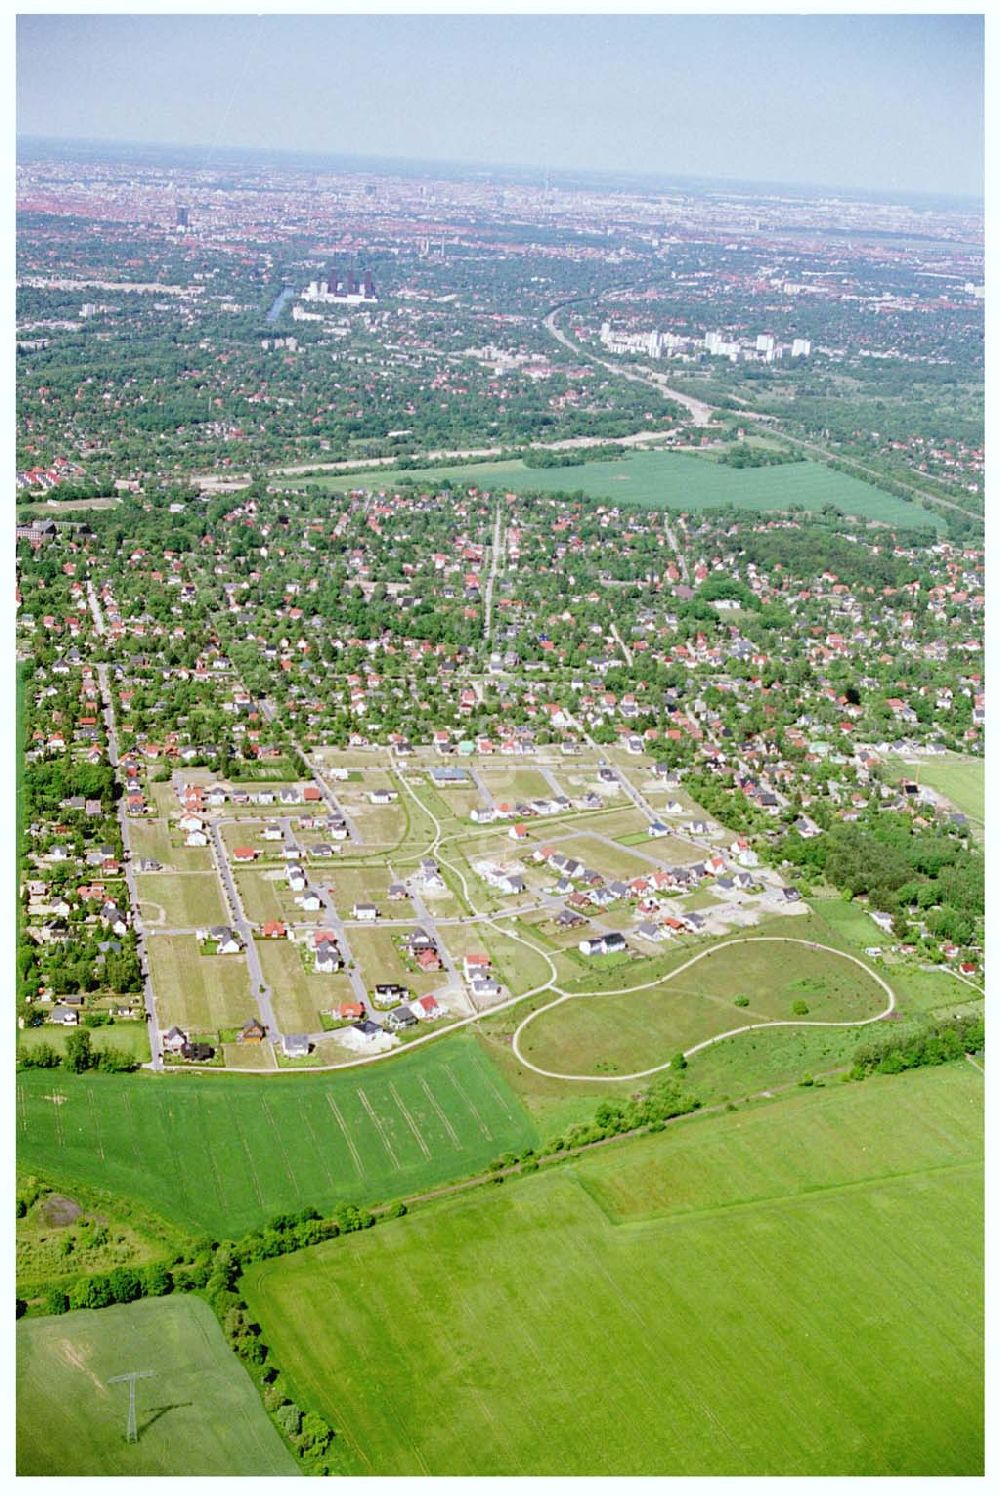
x,y
260,991
153,1029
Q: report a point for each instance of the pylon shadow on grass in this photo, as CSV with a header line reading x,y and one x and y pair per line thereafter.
x,y
157,1413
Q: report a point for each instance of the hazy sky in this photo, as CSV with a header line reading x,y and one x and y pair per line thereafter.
x,y
858,101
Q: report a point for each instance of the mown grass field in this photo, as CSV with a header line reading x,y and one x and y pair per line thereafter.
x,y
378,955
299,994
612,861
200,993
152,839
960,780
661,480
199,1415
281,1143
631,1032
130,1035
263,895
182,900
794,1291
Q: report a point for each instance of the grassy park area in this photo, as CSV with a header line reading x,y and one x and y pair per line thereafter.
x,y
635,1030
960,780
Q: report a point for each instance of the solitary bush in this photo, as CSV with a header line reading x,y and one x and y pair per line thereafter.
x,y
316,1434
800,1008
115,1061
157,1280
741,1002
78,1056
91,1293
125,1285
290,1419
273,1398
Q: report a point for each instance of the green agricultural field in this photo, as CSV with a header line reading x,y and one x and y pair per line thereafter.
x,y
662,480
181,901
796,1291
200,1414
960,780
279,1142
638,1030
199,993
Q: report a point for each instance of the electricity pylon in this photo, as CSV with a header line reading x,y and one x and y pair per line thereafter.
x,y
132,1436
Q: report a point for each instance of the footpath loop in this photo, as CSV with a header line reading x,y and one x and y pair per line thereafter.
x,y
745,1028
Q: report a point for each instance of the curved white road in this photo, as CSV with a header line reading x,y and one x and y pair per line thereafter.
x,y
716,1038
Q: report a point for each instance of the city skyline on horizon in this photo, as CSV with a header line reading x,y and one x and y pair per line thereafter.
x,y
517,171
363,84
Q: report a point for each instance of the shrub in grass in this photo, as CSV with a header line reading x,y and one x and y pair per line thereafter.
x,y
56,1301
741,1002
289,1417
41,1057
800,1008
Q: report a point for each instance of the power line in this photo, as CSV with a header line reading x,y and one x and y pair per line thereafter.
x,y
132,1434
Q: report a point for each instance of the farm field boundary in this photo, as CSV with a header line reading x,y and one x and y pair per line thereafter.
x,y
278,1144
662,480
708,1332
200,1413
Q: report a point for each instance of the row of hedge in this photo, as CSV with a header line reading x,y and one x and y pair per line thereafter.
x,y
932,1044
663,1101
213,1269
78,1056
